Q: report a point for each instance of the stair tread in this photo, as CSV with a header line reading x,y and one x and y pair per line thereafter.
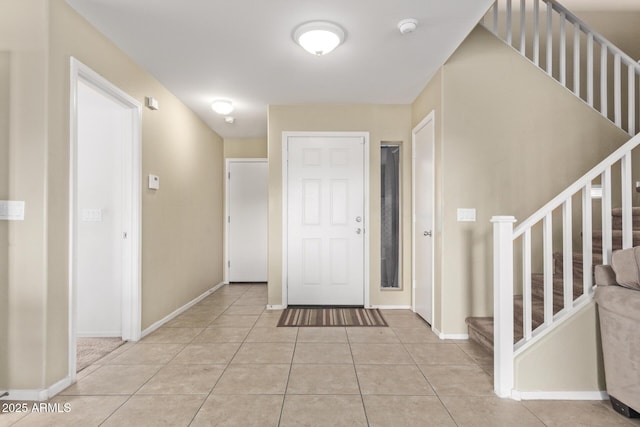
x,y
635,211
614,232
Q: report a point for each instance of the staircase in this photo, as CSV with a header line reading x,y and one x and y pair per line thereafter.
x,y
607,80
481,328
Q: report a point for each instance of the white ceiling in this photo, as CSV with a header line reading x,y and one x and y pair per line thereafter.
x,y
243,50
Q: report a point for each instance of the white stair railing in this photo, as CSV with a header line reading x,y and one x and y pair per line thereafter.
x,y
505,237
554,37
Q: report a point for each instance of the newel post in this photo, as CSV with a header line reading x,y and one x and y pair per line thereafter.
x,y
503,305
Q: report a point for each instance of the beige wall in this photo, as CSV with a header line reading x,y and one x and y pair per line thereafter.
x,y
568,359
245,148
511,140
23,35
182,222
5,82
384,123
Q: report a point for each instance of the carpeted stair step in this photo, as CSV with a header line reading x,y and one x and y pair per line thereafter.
x,y
481,328
558,264
537,315
617,240
616,218
481,331
537,288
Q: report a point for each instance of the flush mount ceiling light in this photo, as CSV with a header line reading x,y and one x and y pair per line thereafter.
x,y
318,37
222,106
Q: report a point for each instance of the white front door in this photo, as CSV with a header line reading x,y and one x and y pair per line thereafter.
x,y
325,213
423,191
247,221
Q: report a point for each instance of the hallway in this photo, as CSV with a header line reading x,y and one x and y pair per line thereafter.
x,y
224,362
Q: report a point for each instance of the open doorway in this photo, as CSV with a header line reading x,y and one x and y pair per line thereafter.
x,y
104,215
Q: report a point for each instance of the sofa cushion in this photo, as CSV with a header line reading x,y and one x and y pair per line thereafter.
x,y
604,275
625,264
622,301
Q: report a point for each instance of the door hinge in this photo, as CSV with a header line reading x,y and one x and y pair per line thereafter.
x,y
228,264
229,175
229,219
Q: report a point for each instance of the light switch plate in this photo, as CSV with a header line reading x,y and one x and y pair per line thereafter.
x,y
466,215
91,215
12,210
154,182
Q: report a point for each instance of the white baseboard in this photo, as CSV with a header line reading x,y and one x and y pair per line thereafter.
x,y
102,334
559,395
59,386
28,395
453,336
180,310
392,307
444,336
276,307
38,395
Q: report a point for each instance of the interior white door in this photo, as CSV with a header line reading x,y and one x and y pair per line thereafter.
x,y
247,223
423,190
101,195
325,233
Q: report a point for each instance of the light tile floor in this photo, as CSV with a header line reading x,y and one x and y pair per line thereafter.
x,y
225,363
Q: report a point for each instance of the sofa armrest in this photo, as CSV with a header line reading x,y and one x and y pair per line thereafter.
x,y
605,276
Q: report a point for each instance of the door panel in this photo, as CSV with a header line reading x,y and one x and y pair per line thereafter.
x,y
247,221
423,217
100,191
325,259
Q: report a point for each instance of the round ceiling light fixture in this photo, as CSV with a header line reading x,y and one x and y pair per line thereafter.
x,y
222,106
318,37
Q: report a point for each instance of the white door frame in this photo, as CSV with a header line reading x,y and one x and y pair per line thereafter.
x,y
227,165
131,290
285,200
429,118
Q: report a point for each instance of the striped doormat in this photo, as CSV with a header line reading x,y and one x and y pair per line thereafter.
x,y
331,317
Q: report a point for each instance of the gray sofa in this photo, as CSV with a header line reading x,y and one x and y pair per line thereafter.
x,y
618,298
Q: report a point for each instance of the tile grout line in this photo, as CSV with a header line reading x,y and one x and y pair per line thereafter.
x,y
364,408
286,386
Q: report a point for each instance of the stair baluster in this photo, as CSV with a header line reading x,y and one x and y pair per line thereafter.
x,y
499,20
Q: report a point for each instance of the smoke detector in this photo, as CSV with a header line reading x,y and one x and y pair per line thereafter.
x,y
408,25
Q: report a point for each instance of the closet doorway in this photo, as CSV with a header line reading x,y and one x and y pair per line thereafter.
x,y
104,250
